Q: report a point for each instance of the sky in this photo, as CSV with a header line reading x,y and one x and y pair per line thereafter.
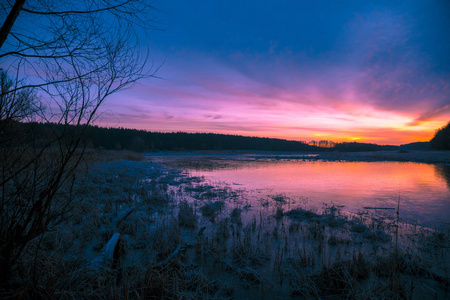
x,y
366,71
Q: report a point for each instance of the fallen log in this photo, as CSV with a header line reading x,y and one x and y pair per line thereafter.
x,y
109,255
111,248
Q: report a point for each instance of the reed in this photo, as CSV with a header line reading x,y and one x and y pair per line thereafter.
x,y
169,249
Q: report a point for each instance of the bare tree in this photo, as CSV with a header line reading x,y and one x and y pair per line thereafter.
x,y
60,60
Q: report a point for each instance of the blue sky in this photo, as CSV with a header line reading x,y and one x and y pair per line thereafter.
x,y
372,71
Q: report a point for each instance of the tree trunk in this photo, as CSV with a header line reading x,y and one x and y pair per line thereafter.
x,y
9,22
5,266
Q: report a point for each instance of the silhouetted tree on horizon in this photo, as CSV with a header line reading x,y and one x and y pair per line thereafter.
x,y
441,140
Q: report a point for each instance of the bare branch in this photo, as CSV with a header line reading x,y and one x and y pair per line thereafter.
x,y
10,20
68,57
68,12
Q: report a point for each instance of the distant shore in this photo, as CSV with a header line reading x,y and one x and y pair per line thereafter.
x,y
421,156
435,157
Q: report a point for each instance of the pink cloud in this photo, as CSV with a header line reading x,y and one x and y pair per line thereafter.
x,y
334,102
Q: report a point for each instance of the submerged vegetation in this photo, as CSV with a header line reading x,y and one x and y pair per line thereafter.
x,y
140,230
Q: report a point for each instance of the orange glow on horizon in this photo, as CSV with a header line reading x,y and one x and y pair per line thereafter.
x,y
300,117
378,135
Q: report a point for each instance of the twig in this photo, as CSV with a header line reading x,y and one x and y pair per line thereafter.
x,y
122,218
174,253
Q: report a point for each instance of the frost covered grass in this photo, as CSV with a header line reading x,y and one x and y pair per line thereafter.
x,y
181,238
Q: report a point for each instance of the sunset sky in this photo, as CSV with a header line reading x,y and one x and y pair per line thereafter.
x,y
368,71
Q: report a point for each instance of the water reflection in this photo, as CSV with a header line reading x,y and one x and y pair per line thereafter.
x,y
444,172
423,189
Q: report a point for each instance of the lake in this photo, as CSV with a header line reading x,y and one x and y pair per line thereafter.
x,y
422,189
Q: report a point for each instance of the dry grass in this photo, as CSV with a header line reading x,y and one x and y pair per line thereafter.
x,y
163,255
186,216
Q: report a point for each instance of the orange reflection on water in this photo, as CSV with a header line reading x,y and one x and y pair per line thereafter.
x,y
421,188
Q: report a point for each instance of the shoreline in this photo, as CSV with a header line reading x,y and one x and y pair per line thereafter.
x,y
177,236
417,156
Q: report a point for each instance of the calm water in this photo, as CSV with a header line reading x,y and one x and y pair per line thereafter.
x,y
423,189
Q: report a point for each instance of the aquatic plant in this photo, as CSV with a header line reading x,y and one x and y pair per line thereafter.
x,y
162,254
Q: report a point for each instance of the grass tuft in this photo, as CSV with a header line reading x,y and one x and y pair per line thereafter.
x,y
186,216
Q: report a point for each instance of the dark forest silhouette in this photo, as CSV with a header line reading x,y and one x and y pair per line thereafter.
x,y
144,141
441,140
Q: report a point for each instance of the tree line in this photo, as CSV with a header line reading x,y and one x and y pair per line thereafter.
x,y
441,140
96,137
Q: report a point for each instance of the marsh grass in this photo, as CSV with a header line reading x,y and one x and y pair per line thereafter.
x,y
235,216
301,214
169,249
211,209
186,216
